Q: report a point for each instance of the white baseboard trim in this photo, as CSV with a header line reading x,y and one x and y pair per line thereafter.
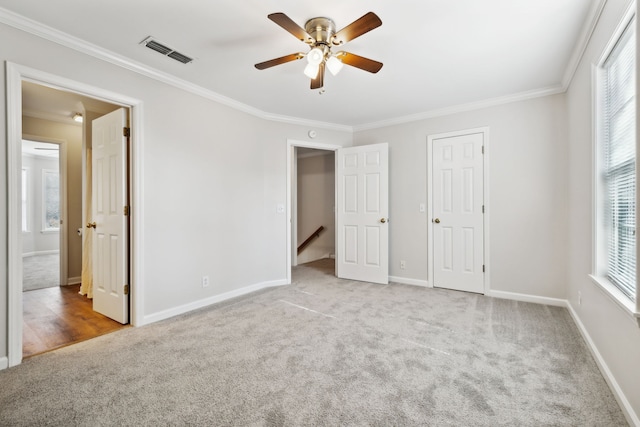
x,y
74,280
626,407
4,363
407,281
166,314
527,298
28,254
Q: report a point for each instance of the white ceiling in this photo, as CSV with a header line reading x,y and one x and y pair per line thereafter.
x,y
437,54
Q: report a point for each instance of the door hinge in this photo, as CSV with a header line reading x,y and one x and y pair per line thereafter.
x,y
126,132
482,208
126,211
126,289
482,148
482,271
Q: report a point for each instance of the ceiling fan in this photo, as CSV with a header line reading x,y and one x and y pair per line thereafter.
x,y
320,34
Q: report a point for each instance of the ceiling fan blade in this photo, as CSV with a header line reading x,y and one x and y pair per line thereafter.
x,y
361,62
277,61
287,23
318,82
357,28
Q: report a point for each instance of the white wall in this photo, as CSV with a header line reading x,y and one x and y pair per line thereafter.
x,y
212,179
316,199
35,240
614,333
527,182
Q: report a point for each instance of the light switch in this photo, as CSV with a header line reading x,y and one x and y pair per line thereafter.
x,y
280,208
423,207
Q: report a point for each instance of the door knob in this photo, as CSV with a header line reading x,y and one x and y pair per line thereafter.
x,y
383,220
437,220
91,225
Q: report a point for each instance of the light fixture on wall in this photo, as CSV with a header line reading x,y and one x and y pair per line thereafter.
x,y
77,117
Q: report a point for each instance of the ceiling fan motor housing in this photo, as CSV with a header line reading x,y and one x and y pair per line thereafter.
x,y
321,29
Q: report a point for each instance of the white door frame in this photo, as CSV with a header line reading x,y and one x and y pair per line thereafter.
x,y
15,74
64,230
291,186
487,211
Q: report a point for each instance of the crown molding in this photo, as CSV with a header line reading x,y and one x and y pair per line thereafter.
x,y
51,34
33,27
580,48
522,96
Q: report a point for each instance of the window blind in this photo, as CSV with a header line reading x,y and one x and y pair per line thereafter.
x,y
619,126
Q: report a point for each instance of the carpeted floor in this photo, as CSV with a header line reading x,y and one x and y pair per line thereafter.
x,y
40,271
325,351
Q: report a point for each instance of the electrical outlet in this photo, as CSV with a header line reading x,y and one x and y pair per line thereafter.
x,y
205,281
403,264
579,298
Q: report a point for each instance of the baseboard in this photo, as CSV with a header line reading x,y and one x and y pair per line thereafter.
x,y
626,407
407,281
4,363
166,314
28,254
527,298
74,280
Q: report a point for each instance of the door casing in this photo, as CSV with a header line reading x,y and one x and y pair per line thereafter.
x,y
487,210
15,74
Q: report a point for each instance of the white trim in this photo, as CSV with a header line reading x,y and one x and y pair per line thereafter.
x,y
4,363
29,254
625,405
74,280
186,308
291,221
48,33
408,281
616,295
583,41
557,302
447,111
15,74
485,131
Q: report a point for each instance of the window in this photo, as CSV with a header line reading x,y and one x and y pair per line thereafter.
x,y
616,110
25,200
50,200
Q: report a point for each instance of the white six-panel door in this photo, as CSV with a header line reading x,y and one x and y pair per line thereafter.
x,y
109,198
362,247
457,211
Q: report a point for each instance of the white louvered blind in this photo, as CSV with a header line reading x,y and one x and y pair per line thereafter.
x,y
619,162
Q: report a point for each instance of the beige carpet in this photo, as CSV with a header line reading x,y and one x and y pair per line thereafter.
x,y
324,351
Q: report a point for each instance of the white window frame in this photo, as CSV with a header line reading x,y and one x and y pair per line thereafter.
x,y
45,227
630,305
26,199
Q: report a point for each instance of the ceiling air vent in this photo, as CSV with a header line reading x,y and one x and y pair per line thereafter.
x,y
165,50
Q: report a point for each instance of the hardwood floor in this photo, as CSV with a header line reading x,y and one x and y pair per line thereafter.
x,y
59,316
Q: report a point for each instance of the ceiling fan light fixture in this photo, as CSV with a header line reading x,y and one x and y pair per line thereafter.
x,y
311,71
334,65
315,56
77,117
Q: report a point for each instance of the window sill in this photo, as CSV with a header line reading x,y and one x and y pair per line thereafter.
x,y
617,296
50,231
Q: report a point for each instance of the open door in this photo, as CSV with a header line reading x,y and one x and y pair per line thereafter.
x,y
362,247
110,221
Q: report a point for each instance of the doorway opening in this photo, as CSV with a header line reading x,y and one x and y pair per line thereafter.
x,y
42,105
310,202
